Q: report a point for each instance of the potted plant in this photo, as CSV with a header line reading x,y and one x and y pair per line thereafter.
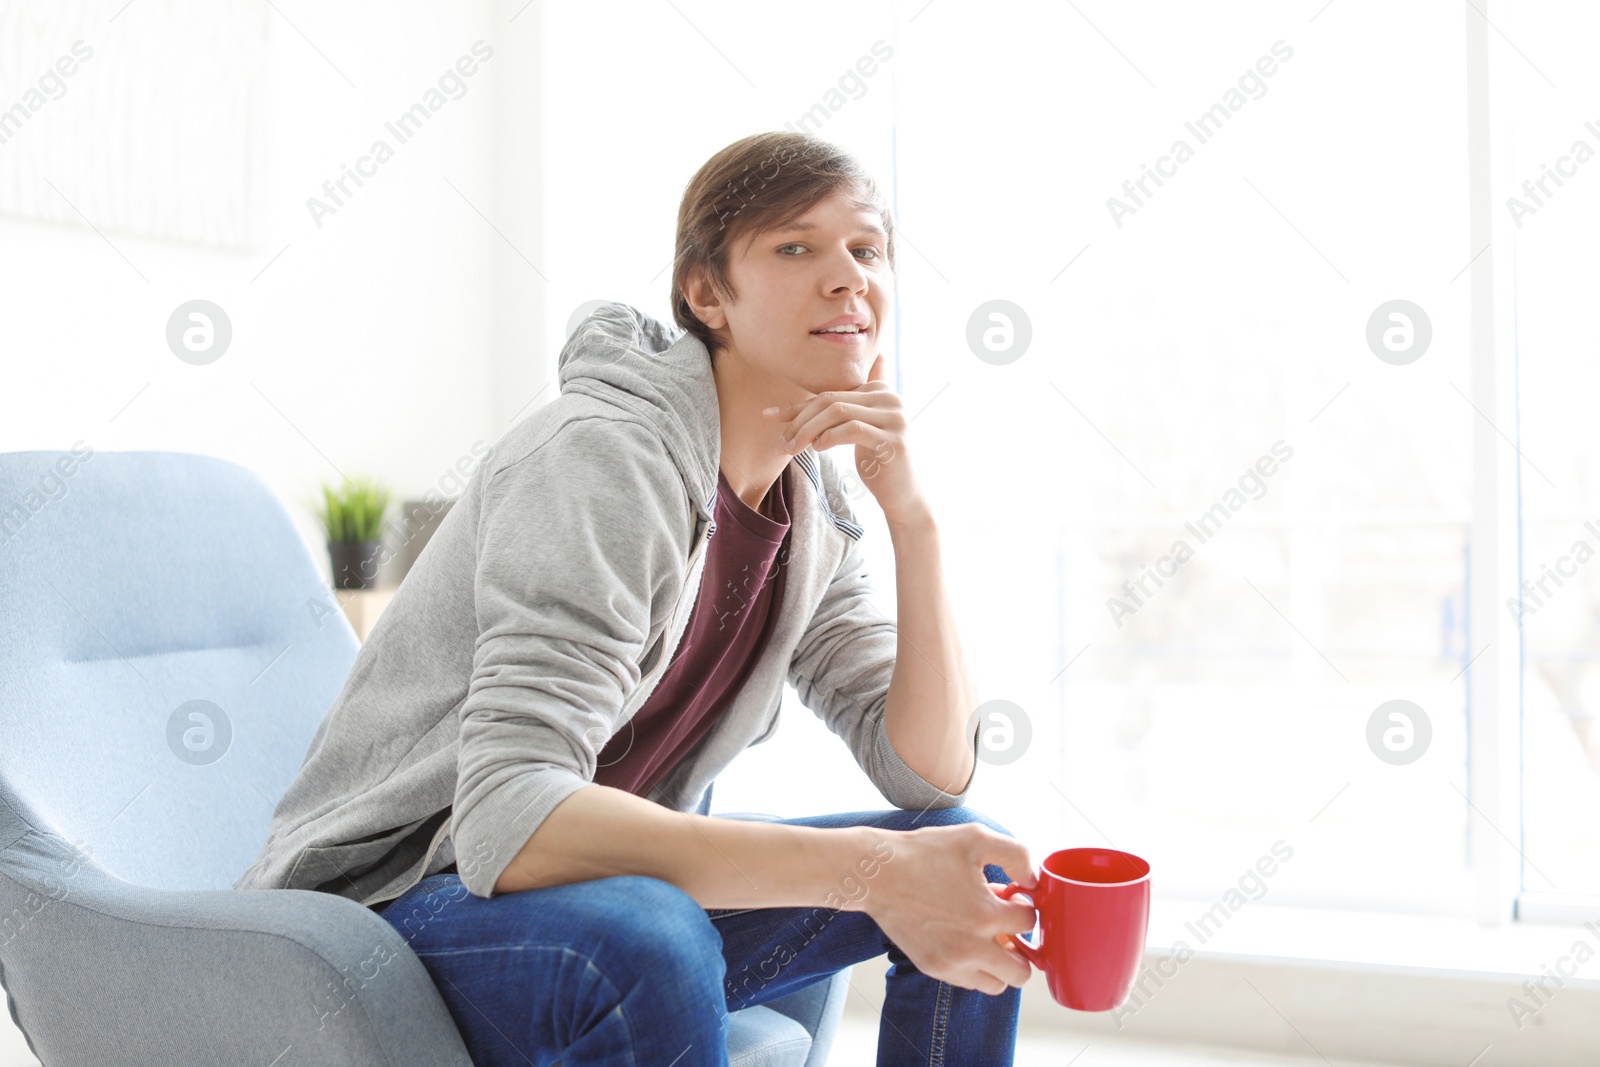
x,y
353,520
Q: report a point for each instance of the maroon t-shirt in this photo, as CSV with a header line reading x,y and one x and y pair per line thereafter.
x,y
728,627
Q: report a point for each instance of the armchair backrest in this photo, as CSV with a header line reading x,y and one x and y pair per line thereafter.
x,y
167,651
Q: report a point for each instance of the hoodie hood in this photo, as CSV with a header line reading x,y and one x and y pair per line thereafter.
x,y
658,372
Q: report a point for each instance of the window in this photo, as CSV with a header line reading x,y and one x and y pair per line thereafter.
x,y
1230,531
1198,278
1551,142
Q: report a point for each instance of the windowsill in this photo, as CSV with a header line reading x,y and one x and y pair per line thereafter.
x,y
1353,985
1362,985
1348,939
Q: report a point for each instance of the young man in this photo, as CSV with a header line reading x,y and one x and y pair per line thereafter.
x,y
608,617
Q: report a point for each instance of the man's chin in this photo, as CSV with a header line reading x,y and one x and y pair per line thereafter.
x,y
851,375
842,384
839,376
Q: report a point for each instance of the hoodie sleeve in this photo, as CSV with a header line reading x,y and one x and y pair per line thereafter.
x,y
841,670
576,541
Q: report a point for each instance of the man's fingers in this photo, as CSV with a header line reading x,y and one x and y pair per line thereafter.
x,y
881,404
1006,971
1009,943
1012,855
794,407
834,415
1017,916
855,432
983,982
1011,965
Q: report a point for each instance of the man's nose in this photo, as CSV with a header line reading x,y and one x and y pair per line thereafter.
x,y
846,275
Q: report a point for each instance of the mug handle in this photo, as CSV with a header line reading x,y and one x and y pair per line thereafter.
x,y
1034,953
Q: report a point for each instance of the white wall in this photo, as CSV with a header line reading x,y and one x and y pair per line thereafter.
x,y
383,343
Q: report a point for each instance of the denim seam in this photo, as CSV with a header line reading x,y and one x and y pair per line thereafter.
x,y
941,1022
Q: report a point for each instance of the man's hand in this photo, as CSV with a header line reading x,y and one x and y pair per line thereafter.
x,y
934,904
870,417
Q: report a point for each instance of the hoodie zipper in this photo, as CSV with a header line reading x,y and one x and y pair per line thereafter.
x,y
661,664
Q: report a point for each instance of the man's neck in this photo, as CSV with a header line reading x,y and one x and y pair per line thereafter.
x,y
752,458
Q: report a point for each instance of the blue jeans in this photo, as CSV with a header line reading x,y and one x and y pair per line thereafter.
x,y
631,972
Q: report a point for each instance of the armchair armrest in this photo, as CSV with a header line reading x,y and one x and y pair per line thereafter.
x,y
100,970
818,1007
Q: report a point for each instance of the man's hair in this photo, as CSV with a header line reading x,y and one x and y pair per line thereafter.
x,y
756,184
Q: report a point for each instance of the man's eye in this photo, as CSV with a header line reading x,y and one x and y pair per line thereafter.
x,y
871,249
782,247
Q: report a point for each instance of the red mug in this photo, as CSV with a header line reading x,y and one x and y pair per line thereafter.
x,y
1094,911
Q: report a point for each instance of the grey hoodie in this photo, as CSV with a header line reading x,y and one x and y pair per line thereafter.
x,y
541,615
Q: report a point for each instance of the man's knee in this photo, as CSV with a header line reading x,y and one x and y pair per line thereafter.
x,y
957,815
659,928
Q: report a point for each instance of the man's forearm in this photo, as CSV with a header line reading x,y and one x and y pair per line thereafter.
x,y
600,832
931,694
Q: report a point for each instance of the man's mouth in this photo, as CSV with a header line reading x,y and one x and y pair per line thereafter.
x,y
850,334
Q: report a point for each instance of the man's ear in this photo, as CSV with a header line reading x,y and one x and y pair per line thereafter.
x,y
704,300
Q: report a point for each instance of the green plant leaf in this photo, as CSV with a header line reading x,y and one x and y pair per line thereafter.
x,y
354,511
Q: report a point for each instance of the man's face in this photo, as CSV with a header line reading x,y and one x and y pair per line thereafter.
x,y
828,268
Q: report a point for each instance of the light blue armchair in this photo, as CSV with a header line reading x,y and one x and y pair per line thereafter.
x,y
167,650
